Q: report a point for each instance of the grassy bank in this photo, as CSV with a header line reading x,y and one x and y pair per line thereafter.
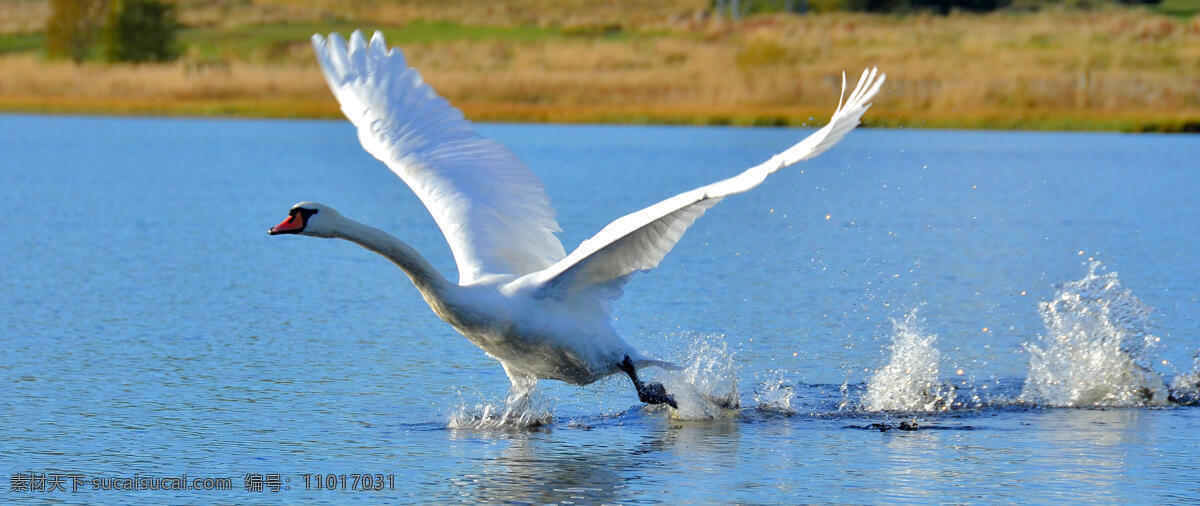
x,y
1110,69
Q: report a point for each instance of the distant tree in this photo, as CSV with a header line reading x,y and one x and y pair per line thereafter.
x,y
944,6
876,5
937,6
731,7
739,8
141,31
72,27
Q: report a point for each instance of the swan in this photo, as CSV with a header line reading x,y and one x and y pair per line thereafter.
x,y
542,313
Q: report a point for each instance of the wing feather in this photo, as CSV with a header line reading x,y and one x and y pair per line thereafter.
x,y
639,241
490,206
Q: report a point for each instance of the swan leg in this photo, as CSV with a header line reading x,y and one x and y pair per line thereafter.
x,y
519,403
522,384
649,393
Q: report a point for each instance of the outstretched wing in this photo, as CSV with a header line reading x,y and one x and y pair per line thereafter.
x,y
639,241
492,209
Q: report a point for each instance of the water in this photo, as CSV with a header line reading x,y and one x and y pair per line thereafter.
x,y
1097,348
911,380
150,326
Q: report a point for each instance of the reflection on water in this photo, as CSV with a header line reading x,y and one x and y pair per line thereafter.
x,y
535,467
1076,455
531,470
912,461
1090,451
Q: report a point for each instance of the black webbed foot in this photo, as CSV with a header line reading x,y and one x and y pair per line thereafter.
x,y
655,393
649,393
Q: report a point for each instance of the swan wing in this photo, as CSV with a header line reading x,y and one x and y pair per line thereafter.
x,y
639,241
490,206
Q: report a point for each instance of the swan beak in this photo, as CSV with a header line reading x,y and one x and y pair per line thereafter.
x,y
292,225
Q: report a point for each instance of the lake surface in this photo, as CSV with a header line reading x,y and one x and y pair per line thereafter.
x,y
975,282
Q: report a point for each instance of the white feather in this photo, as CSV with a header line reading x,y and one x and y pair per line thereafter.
x,y
492,209
639,241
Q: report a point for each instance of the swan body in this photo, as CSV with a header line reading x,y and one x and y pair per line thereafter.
x,y
532,336
542,313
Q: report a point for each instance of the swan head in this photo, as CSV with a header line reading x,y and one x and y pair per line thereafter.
x,y
308,218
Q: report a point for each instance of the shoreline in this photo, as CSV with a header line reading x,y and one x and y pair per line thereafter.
x,y
1060,121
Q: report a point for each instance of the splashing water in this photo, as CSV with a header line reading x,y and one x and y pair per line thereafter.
x,y
1095,349
909,382
707,388
1095,353
522,409
775,396
1185,388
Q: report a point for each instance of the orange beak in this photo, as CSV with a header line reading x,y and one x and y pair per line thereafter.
x,y
292,225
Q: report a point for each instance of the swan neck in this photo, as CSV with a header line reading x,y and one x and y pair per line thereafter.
x,y
423,274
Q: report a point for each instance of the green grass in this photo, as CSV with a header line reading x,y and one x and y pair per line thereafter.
x,y
10,42
1180,8
272,42
439,31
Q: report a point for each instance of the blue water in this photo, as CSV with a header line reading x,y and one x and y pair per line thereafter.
x,y
150,326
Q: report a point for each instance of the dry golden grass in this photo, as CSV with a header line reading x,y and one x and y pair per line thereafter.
x,y
23,16
639,14
31,84
24,73
1106,69
1116,68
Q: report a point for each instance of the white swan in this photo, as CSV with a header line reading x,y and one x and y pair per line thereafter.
x,y
542,313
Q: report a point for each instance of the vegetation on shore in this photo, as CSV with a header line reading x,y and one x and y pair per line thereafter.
x,y
1105,68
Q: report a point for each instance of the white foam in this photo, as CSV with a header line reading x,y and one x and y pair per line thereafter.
x,y
909,381
1096,347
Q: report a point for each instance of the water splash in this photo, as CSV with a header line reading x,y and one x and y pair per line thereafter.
x,y
1185,388
1095,350
707,387
909,382
775,396
522,409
